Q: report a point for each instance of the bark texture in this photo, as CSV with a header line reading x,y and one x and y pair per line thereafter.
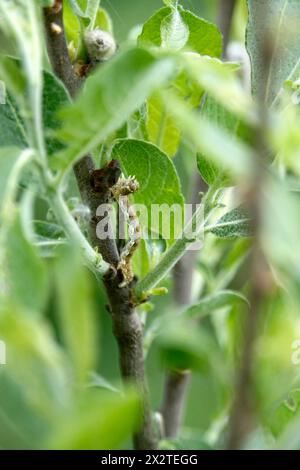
x,y
127,325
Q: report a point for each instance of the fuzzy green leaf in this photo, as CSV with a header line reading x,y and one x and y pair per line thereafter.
x,y
13,132
156,174
48,230
203,37
216,113
174,31
170,3
75,312
220,80
21,427
212,141
55,96
161,127
33,382
25,271
12,121
281,19
235,223
184,346
8,158
210,304
106,421
109,98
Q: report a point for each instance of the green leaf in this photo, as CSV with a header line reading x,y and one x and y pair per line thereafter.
x,y
12,113
73,29
13,132
157,177
100,421
141,261
204,37
48,230
231,262
8,158
170,3
211,303
174,31
75,312
35,361
281,19
13,76
161,126
216,113
284,412
136,126
55,96
91,11
209,171
79,7
104,21
281,231
20,20
48,237
215,143
289,439
109,98
99,381
220,80
184,347
21,427
25,271
235,223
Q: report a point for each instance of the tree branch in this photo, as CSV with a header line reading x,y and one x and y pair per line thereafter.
x,y
176,382
57,48
128,332
126,322
226,11
174,399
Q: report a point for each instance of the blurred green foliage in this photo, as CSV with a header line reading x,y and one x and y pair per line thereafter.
x,y
61,386
126,14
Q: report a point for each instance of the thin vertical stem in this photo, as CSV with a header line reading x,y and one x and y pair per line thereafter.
x,y
127,325
242,419
176,383
226,11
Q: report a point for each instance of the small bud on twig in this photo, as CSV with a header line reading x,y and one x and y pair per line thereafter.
x,y
100,45
55,29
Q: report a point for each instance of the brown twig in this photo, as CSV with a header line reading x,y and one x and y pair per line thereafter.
x,y
57,48
128,332
126,322
174,399
226,11
176,382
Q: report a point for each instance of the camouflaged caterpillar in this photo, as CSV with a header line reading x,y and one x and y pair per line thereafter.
x,y
121,190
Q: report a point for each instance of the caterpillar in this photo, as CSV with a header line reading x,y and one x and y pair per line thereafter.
x,y
121,190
